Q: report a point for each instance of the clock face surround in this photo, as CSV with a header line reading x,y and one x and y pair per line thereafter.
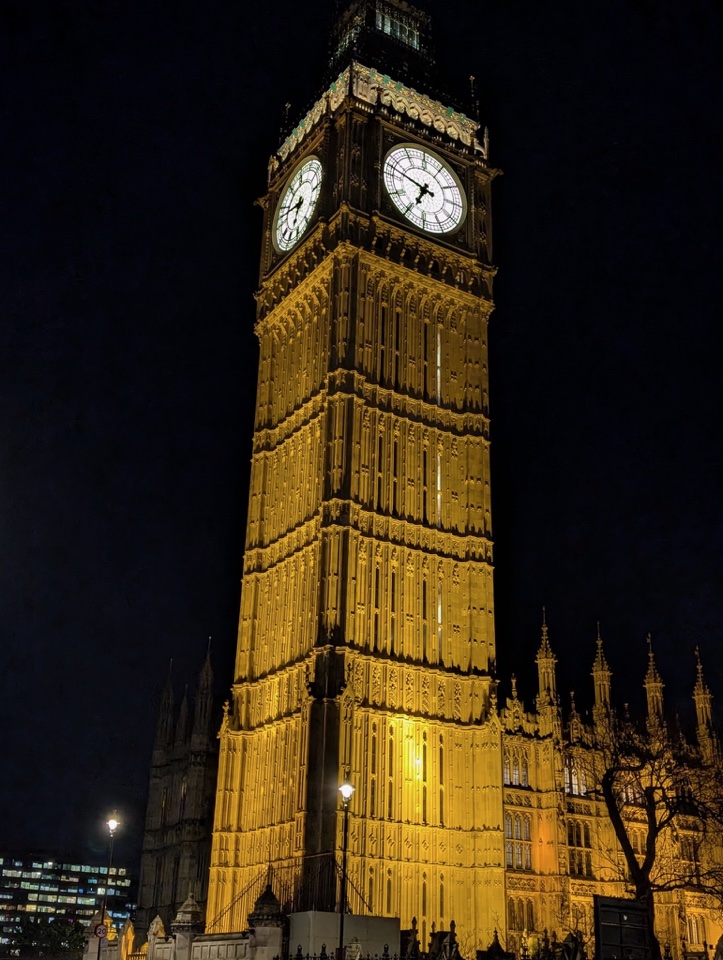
x,y
297,204
424,189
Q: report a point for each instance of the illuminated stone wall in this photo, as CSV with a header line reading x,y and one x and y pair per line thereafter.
x,y
366,643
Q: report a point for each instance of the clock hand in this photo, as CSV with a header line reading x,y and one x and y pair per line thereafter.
x,y
423,187
415,182
296,208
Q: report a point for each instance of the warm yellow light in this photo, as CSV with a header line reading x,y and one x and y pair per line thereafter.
x,y
112,823
346,790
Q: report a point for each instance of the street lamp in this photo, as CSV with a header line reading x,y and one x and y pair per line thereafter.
x,y
346,790
101,930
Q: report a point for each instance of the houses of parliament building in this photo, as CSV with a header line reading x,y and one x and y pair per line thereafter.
x,y
366,638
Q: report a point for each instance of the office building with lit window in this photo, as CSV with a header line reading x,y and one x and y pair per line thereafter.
x,y
41,886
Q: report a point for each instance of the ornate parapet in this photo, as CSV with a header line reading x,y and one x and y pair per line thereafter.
x,y
369,86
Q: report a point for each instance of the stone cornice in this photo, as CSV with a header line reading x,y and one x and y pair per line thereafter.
x,y
472,549
416,536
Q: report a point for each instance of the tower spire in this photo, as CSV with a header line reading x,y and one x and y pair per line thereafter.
x,y
546,660
601,682
653,689
703,698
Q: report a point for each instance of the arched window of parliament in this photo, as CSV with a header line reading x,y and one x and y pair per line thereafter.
x,y
507,770
370,890
382,343
696,929
518,842
425,361
424,616
397,336
393,585
575,781
516,914
389,892
373,771
579,848
441,781
380,469
390,771
377,601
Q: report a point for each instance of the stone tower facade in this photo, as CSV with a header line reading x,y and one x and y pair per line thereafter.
x,y
366,640
179,813
366,644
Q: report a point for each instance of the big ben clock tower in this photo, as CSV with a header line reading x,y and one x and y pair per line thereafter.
x,y
366,639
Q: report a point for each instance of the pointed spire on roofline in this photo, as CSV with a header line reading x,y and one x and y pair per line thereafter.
x,y
601,680
546,660
653,688
652,676
703,699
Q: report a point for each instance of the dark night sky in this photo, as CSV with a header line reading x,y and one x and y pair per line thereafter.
x,y
135,140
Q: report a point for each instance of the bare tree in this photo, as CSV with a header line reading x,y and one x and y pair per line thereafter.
x,y
665,804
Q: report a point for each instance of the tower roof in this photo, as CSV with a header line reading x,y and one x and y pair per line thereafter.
x,y
652,676
600,664
545,650
701,687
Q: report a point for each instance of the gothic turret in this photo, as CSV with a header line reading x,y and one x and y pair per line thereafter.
x,y
703,699
653,689
546,660
547,701
601,681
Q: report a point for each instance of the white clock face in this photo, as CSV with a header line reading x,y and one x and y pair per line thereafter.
x,y
297,205
424,189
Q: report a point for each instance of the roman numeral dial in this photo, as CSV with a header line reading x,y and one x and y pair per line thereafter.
x,y
424,189
297,205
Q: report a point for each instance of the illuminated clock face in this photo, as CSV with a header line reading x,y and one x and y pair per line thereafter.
x,y
424,189
297,204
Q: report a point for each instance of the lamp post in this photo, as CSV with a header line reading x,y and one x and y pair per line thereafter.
x,y
346,790
101,930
